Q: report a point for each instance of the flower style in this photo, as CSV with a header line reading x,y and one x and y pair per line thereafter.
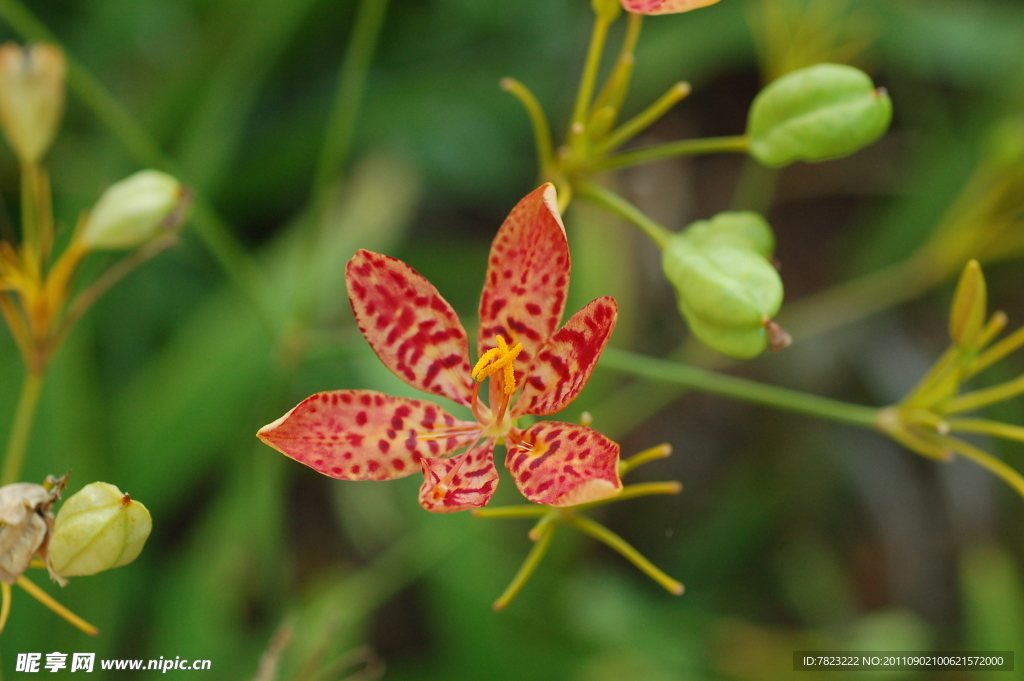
x,y
664,6
366,435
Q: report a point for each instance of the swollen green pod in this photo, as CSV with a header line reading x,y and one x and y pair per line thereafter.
x,y
818,113
728,290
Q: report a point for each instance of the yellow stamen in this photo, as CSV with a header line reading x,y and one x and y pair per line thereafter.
x,y
503,356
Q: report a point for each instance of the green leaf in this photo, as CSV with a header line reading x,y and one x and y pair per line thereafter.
x,y
818,113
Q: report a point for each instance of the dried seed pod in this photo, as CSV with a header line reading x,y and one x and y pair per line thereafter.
x,y
26,525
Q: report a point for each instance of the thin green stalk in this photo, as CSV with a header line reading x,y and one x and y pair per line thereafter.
x,y
46,599
623,208
994,428
539,121
739,388
654,453
644,119
348,97
620,546
642,489
590,67
987,461
527,569
29,211
709,145
24,417
5,604
520,511
982,398
617,85
998,351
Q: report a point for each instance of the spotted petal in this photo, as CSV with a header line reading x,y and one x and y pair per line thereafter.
x,y
413,330
562,464
366,435
527,277
564,364
471,486
664,6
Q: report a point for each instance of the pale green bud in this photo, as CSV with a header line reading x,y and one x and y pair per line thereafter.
x,y
134,211
97,529
818,113
727,288
31,97
970,305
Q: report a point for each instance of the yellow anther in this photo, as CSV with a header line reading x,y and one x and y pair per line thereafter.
x,y
499,358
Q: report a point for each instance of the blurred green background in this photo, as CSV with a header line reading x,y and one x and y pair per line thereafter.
x,y
790,534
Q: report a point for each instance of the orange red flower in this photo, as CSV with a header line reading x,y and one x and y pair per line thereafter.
x,y
535,367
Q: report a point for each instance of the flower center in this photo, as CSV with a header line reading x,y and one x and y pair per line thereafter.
x,y
499,359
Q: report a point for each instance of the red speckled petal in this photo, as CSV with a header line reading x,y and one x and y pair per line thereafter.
x,y
366,435
527,277
563,366
562,464
413,330
664,6
470,487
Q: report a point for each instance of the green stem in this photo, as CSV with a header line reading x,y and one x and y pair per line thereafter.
x,y
982,398
589,78
24,417
709,145
739,388
642,489
657,452
539,121
46,599
620,546
994,428
520,511
987,461
5,604
528,567
29,211
348,96
623,208
617,85
644,119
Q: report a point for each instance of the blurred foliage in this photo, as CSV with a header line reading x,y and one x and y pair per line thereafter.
x,y
788,534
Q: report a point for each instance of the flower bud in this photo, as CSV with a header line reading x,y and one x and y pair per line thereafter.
x,y
31,97
97,529
728,290
818,113
25,523
133,211
970,304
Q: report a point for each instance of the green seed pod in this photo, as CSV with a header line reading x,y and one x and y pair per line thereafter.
x,y
97,529
818,113
134,211
727,288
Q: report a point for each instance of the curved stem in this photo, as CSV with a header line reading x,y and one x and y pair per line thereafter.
x,y
709,145
620,546
623,208
24,417
657,452
642,489
528,567
987,461
541,129
739,388
47,600
520,511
